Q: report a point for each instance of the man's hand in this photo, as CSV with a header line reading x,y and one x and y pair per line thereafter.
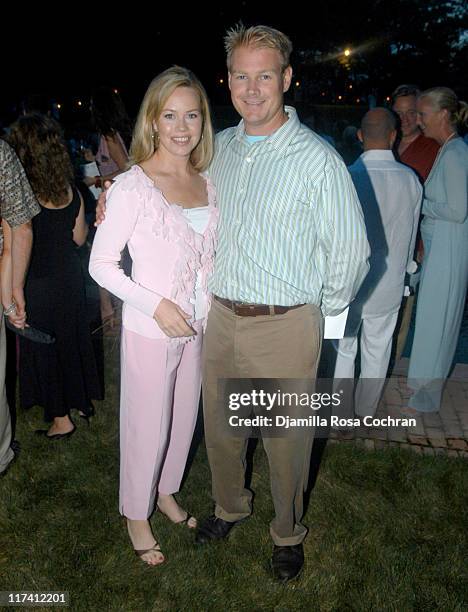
x,y
101,205
172,320
420,253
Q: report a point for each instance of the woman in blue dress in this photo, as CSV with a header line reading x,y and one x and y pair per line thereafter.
x,y
444,230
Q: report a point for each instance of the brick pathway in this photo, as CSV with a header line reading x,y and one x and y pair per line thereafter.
x,y
444,432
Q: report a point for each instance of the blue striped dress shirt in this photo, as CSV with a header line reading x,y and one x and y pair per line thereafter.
x,y
291,228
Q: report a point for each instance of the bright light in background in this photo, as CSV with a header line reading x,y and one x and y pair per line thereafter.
x,y
79,103
350,86
388,98
347,52
221,81
116,91
298,84
59,106
339,97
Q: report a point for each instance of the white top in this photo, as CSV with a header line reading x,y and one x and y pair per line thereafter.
x,y
198,219
390,195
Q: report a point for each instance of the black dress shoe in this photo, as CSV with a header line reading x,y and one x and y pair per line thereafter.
x,y
213,528
15,447
287,562
44,432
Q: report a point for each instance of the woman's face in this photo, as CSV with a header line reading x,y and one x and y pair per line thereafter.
x,y
180,123
430,120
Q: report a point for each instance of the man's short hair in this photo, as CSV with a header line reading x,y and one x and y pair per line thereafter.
x,y
257,37
377,124
405,90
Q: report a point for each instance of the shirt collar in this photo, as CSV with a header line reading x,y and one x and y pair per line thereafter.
x,y
280,139
378,154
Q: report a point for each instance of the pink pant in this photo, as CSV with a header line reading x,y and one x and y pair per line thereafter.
x,y
160,391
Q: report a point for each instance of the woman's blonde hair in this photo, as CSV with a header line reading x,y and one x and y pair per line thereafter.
x,y
444,98
160,89
258,37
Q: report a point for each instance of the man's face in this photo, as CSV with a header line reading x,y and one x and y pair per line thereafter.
x,y
405,108
257,85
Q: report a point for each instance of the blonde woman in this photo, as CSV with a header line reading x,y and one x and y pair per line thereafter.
x,y
163,208
444,230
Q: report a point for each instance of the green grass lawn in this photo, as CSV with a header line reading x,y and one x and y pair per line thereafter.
x,y
388,531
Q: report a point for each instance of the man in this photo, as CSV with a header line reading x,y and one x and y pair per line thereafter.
x,y
18,206
419,153
414,149
292,247
390,195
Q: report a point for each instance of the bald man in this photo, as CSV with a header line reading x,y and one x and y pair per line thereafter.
x,y
390,196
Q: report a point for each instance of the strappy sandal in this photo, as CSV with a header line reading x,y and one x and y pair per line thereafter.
x,y
185,521
155,548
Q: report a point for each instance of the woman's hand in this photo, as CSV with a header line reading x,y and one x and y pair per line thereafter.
x,y
172,319
17,317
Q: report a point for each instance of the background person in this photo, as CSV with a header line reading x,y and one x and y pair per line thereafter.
x,y
18,206
417,151
113,126
390,196
444,230
60,376
413,148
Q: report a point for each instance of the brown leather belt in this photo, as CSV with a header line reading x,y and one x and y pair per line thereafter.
x,y
242,309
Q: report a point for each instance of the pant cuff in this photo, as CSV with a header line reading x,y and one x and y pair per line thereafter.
x,y
290,541
6,460
230,517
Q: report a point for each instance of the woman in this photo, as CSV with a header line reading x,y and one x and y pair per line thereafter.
x,y
112,124
60,376
164,210
444,231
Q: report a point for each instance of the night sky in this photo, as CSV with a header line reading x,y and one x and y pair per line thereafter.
x,y
65,52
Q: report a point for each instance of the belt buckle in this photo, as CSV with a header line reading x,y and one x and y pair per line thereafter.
x,y
244,310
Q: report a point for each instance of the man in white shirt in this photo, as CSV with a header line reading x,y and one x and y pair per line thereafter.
x,y
390,195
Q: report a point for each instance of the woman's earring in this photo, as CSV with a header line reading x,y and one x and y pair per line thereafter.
x,y
155,137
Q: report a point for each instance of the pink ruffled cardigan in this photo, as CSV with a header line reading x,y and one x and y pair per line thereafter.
x,y
166,252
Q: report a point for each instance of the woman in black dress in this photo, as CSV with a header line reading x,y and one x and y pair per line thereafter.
x,y
60,376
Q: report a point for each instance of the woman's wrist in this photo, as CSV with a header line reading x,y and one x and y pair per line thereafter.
x,y
9,309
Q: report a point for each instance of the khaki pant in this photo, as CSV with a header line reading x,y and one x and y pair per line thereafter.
x,y
266,347
6,454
